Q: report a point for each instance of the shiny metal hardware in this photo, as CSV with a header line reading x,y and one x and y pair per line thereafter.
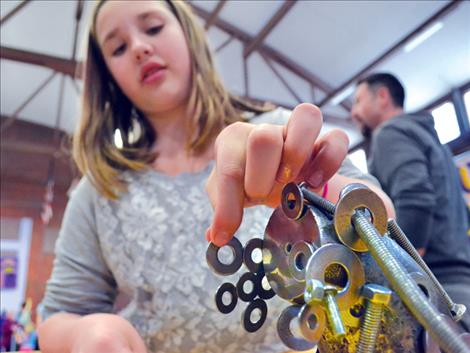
x,y
286,335
241,290
212,258
377,297
409,292
307,262
312,322
250,247
354,198
298,257
332,312
335,264
456,310
264,293
314,292
280,236
248,324
219,303
292,201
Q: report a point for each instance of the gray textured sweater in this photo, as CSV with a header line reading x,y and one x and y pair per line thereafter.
x,y
150,246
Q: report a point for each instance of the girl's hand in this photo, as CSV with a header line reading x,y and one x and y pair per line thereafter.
x,y
106,333
254,162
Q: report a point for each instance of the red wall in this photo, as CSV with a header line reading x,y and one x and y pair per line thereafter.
x,y
40,262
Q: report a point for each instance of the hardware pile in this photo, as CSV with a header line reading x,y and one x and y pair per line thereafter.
x,y
353,280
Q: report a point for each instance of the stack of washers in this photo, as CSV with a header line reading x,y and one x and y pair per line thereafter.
x,y
353,280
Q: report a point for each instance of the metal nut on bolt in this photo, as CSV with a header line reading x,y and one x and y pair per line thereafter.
x,y
376,294
314,291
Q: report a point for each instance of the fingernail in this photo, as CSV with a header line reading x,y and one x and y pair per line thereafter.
x,y
284,174
220,239
316,179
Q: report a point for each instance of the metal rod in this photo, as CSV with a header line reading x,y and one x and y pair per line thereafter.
x,y
415,300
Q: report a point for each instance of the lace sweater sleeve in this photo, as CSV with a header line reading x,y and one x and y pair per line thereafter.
x,y
80,282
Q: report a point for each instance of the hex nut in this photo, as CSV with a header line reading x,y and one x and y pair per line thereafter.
x,y
314,291
376,294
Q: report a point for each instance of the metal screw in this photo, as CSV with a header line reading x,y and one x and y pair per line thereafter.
x,y
314,292
443,334
332,312
377,297
316,200
457,310
317,292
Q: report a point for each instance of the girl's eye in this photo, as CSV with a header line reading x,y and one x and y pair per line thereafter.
x,y
119,50
154,30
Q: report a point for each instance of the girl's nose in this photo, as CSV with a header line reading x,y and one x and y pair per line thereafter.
x,y
141,50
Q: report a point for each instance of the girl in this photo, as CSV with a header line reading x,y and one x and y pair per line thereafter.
x,y
135,223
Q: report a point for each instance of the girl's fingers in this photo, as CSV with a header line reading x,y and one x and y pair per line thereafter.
x,y
264,150
300,134
329,152
227,192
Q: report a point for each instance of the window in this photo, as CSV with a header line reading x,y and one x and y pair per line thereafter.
x,y
446,123
466,100
358,158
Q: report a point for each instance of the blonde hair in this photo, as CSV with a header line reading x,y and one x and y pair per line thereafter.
x,y
105,108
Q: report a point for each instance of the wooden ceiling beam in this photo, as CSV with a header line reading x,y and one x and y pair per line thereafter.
x,y
346,123
14,11
439,14
65,66
278,16
213,16
271,53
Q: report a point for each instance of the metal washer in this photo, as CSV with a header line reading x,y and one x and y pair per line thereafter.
x,y
250,246
285,334
292,201
247,297
351,200
246,316
225,269
230,288
312,334
263,293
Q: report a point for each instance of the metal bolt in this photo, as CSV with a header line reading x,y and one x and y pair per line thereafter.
x,y
316,200
415,300
457,310
332,312
314,292
377,297
317,292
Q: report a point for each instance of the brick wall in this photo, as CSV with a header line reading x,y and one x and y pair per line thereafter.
x,y
41,257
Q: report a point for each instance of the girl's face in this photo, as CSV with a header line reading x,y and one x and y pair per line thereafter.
x,y
145,50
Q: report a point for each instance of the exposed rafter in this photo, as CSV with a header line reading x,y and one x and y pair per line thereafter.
x,y
78,17
271,53
279,76
14,11
214,14
6,123
439,14
62,65
278,16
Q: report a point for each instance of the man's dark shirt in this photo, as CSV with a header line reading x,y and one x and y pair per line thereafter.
x,y
419,175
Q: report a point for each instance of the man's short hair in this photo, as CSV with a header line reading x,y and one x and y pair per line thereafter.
x,y
397,92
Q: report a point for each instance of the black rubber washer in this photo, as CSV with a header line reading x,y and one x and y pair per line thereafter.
x,y
252,244
226,287
255,304
263,293
247,297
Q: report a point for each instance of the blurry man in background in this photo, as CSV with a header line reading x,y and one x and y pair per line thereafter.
x,y
419,175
